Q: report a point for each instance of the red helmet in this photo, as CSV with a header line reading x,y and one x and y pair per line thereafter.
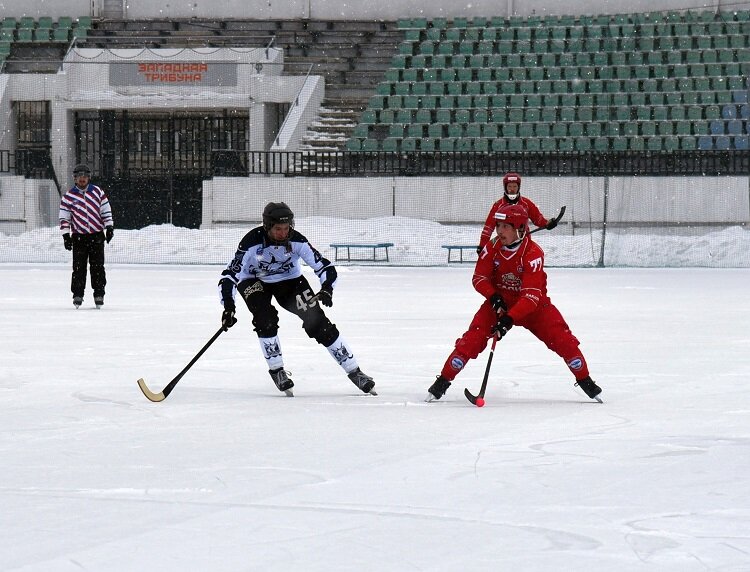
x,y
511,178
514,215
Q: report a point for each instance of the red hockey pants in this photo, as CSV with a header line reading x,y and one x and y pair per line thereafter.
x,y
546,323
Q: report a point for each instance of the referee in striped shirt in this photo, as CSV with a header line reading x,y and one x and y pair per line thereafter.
x,y
85,223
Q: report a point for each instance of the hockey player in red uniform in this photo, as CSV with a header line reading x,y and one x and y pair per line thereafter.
x,y
512,196
510,275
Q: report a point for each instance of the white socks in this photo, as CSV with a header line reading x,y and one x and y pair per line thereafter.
x,y
271,348
339,350
343,355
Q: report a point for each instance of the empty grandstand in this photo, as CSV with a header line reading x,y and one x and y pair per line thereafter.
x,y
180,109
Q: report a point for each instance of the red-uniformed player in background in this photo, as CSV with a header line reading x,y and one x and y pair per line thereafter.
x,y
512,196
510,275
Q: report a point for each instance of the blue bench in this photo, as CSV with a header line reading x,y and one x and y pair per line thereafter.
x,y
460,248
350,246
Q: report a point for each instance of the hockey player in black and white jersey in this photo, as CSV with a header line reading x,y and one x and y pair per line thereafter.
x,y
265,266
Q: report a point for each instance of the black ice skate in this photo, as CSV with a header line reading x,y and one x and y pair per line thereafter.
x,y
99,301
282,380
590,388
363,381
438,389
77,301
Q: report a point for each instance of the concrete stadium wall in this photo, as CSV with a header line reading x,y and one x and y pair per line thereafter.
x,y
27,204
338,10
647,200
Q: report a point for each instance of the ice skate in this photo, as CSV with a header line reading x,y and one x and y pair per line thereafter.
x,y
438,389
590,388
281,379
99,301
77,301
363,381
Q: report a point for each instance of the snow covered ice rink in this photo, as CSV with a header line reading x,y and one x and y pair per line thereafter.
x,y
227,474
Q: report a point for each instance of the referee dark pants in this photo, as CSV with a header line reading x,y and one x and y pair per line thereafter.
x,y
88,249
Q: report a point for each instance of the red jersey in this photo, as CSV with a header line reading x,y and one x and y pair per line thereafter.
x,y
517,275
535,216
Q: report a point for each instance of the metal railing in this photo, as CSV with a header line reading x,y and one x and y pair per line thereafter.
x,y
30,163
227,162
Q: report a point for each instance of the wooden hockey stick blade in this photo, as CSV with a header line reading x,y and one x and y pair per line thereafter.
x,y
156,397
150,395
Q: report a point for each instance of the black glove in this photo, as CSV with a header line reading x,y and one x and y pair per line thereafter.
x,y
325,295
479,250
110,233
498,303
67,241
227,316
551,224
504,324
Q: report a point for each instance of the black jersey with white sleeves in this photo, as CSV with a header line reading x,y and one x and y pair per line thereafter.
x,y
259,258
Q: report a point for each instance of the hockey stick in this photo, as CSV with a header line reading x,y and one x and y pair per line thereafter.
x,y
475,398
161,396
556,219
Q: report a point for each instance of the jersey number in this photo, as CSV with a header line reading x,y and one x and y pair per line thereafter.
x,y
306,300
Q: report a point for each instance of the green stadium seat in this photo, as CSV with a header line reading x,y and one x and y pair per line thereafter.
x,y
664,128
683,128
428,144
499,145
688,143
655,144
354,145
409,144
582,144
490,130
636,144
370,145
601,144
437,130
368,116
25,34
575,129
481,145
390,144
593,129
647,129
548,144
42,35
26,22
509,129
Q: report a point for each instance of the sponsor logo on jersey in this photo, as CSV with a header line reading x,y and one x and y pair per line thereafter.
x,y
575,363
511,282
256,286
270,265
533,297
457,363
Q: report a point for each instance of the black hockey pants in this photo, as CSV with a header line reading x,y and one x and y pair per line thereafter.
x,y
294,296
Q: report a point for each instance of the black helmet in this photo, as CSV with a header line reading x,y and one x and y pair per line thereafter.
x,y
81,169
277,213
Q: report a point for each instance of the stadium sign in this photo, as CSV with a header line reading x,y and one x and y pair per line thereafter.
x,y
173,73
